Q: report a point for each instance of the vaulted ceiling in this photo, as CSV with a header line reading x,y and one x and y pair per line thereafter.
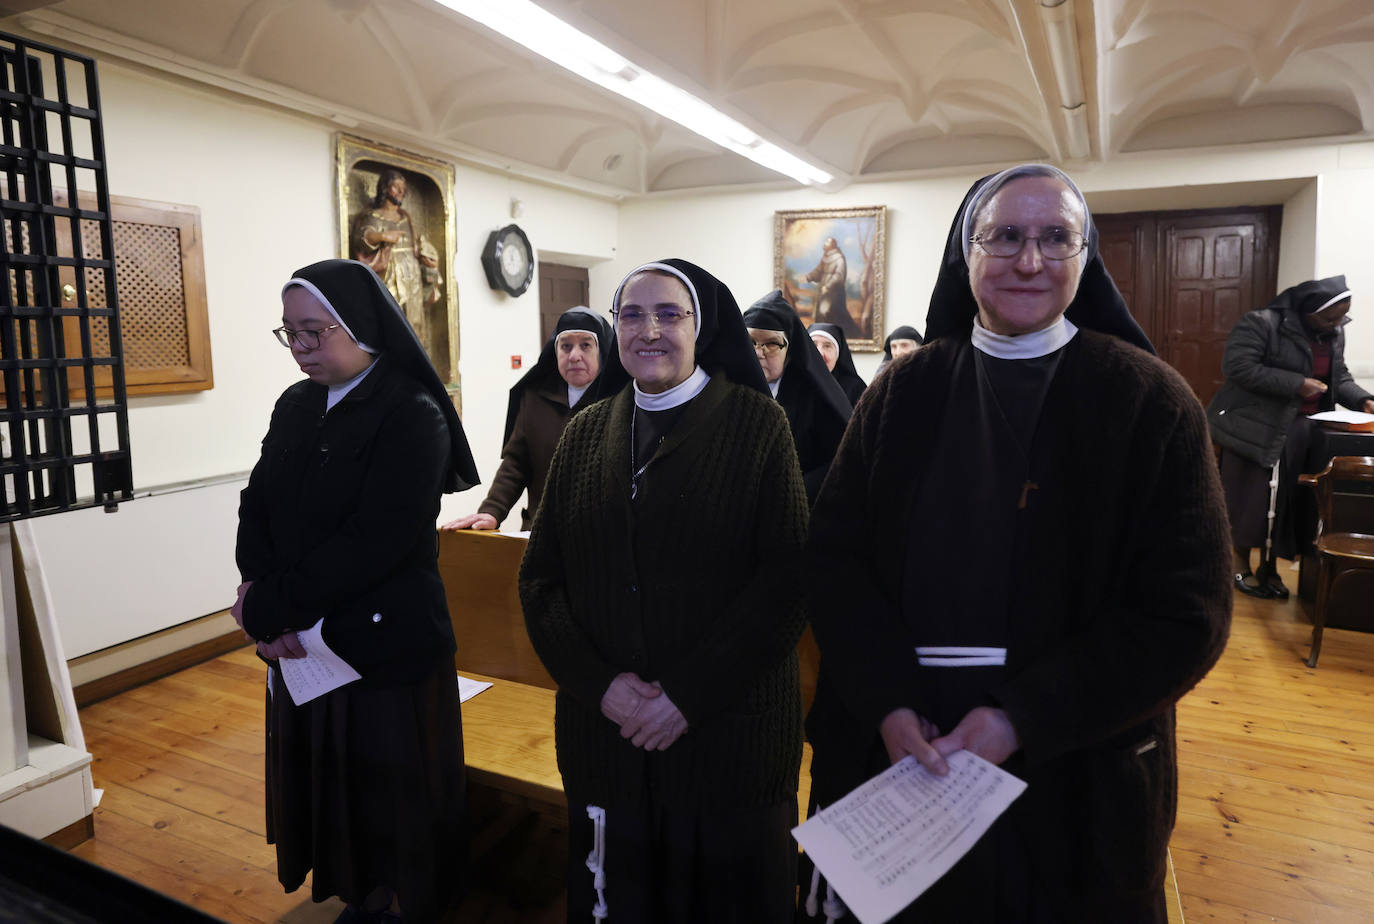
x,y
870,88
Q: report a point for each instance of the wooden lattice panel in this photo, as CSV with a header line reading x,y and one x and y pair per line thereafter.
x,y
152,300
159,275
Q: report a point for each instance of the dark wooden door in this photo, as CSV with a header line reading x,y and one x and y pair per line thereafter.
x,y
1189,276
1127,245
560,288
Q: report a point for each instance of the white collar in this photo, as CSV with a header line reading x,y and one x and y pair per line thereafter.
x,y
337,392
575,394
1024,346
775,385
679,394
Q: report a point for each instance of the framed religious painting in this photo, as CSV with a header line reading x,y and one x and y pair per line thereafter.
x,y
830,265
396,215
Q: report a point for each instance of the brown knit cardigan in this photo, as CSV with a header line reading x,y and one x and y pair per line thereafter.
x,y
1122,603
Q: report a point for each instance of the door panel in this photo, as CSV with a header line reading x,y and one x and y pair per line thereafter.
x,y
1189,276
560,288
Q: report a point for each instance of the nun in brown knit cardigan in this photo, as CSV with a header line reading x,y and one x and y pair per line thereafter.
x,y
1056,576
662,591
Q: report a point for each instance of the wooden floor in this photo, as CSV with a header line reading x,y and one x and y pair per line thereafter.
x,y
1276,812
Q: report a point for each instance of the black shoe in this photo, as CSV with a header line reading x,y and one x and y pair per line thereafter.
x,y
356,914
1247,583
1269,578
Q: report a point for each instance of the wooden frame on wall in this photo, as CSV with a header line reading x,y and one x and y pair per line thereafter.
x,y
847,247
163,310
428,220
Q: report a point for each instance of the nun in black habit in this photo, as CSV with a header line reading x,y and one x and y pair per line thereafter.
x,y
576,368
1055,575
661,590
817,409
906,338
365,784
843,366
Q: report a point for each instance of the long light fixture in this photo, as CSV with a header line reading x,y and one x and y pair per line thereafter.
x,y
540,31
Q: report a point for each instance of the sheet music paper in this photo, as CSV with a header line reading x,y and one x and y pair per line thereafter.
x,y
889,840
468,688
320,671
1342,415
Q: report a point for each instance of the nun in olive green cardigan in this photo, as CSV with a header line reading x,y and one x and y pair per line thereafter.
x,y
662,592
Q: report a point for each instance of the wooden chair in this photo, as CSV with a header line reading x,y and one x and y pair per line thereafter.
x,y
1339,553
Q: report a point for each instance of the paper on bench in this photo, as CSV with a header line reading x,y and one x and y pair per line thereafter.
x,y
889,840
468,688
320,671
1342,415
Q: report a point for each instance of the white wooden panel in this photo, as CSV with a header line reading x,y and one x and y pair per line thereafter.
x,y
161,560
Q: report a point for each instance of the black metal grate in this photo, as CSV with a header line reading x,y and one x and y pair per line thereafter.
x,y
54,455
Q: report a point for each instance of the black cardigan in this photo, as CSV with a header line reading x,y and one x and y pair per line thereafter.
x,y
1122,602
337,522
695,585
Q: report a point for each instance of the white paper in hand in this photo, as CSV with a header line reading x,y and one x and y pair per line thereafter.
x,y
888,841
320,671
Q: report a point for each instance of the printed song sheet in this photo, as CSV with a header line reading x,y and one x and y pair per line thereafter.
x,y
888,841
320,671
468,687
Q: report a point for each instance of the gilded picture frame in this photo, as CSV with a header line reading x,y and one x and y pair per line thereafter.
x,y
831,266
410,243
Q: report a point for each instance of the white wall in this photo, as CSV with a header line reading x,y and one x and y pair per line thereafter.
x,y
495,326
731,233
1298,237
264,182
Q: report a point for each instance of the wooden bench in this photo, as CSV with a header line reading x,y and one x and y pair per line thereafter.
x,y
508,730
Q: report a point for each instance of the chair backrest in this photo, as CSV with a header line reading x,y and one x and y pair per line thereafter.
x,y
1339,469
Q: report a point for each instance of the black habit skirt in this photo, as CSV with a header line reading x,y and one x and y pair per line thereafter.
x,y
663,865
366,786
1246,486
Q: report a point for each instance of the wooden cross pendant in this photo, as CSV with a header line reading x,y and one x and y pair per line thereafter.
x,y
1026,488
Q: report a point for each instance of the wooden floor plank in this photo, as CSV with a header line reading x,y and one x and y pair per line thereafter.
x,y
1276,778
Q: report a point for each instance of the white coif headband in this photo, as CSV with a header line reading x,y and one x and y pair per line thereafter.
x,y
827,335
578,330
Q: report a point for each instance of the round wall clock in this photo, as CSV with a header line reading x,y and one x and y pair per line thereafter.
x,y
508,260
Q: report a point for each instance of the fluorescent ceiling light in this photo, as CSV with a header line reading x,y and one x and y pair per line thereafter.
x,y
543,33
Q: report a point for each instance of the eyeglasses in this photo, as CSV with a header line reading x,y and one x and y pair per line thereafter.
x,y
634,319
310,339
769,347
1009,240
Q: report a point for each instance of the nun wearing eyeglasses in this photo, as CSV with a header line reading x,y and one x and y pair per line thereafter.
x,y
365,783
566,379
1055,578
661,590
816,407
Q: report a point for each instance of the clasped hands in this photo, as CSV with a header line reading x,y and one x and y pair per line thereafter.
x,y
645,714
285,645
985,731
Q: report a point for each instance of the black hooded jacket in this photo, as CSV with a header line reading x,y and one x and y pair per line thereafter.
x,y
1268,354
